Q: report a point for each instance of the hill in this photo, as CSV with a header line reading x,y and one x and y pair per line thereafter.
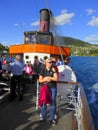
x,y
3,49
78,47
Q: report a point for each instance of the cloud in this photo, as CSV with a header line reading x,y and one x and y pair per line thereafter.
x,y
36,23
90,11
63,18
92,38
64,11
93,22
16,24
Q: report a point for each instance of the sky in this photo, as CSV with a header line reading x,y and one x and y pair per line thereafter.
x,y
74,18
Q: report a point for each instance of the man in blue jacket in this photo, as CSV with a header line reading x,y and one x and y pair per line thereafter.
x,y
16,68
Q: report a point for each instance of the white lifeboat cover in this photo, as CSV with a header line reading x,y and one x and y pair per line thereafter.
x,y
65,74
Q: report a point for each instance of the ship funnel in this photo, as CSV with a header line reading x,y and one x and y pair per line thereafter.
x,y
44,20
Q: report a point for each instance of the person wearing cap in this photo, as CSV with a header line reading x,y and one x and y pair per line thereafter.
x,y
48,75
16,68
67,60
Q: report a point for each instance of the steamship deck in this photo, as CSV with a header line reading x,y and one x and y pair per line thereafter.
x,y
23,115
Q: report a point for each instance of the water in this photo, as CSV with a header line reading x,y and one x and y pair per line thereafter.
x,y
86,69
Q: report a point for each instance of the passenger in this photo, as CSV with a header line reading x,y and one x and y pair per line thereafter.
x,y
5,66
59,62
0,65
28,69
0,70
16,68
35,58
37,66
54,64
56,69
28,72
5,74
67,60
4,60
48,76
42,61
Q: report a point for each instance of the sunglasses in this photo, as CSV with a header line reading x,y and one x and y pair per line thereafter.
x,y
53,62
50,62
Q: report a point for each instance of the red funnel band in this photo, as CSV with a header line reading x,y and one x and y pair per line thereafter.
x,y
44,26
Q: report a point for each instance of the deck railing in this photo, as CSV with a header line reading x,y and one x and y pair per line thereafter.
x,y
74,99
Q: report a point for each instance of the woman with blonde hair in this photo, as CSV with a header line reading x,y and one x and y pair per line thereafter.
x,y
48,75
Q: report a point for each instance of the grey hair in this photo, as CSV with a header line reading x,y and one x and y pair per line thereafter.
x,y
18,57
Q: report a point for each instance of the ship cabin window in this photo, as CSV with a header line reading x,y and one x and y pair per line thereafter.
x,y
27,57
42,38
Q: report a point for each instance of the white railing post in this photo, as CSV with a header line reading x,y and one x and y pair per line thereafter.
x,y
37,94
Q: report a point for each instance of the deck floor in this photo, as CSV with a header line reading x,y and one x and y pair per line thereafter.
x,y
15,115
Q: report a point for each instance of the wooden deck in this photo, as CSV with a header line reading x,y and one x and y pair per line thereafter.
x,y
15,115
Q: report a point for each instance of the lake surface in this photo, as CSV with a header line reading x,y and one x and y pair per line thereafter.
x,y
86,69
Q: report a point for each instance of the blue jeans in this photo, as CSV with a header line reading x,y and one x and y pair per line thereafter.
x,y
52,105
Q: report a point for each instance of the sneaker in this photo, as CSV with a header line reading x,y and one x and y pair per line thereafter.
x,y
53,122
55,116
41,120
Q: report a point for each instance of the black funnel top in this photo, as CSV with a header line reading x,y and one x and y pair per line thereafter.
x,y
44,20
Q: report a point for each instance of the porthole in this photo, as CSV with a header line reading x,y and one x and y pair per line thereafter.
x,y
27,57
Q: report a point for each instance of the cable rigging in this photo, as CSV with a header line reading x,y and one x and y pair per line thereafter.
x,y
52,21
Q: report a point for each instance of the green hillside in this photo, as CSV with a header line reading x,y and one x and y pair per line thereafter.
x,y
75,42
2,47
71,41
78,47
3,50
